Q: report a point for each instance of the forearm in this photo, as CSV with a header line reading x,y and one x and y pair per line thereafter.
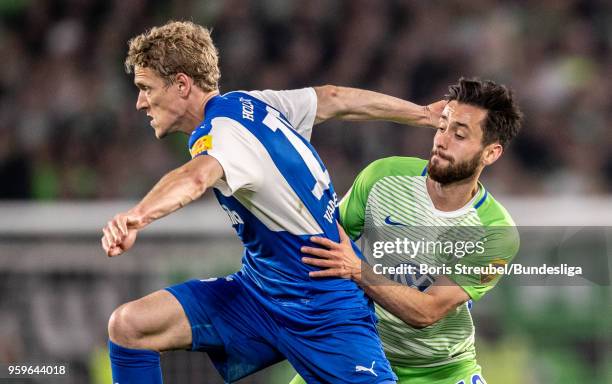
x,y
358,105
413,307
175,190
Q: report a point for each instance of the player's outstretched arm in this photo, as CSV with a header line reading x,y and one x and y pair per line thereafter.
x,y
415,308
173,191
358,105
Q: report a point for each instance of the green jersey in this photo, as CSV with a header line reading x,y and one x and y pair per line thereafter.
x,y
388,205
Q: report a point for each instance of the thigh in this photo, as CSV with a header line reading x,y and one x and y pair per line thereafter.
x,y
227,324
217,312
156,322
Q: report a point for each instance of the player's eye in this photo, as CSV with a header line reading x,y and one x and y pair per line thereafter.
x,y
459,137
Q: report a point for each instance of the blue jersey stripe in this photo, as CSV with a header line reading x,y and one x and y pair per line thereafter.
x,y
291,165
272,258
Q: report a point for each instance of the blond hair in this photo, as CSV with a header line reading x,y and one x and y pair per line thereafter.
x,y
177,47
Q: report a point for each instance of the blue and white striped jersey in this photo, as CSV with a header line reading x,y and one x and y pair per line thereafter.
x,y
275,190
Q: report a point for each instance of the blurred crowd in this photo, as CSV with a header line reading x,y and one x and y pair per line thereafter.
x,y
69,128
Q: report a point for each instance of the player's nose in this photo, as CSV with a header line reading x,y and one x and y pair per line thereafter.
x,y
440,140
141,102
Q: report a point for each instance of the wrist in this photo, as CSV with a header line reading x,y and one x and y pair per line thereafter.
x,y
356,274
427,117
136,219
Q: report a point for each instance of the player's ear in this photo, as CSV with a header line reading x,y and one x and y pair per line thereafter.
x,y
183,83
491,153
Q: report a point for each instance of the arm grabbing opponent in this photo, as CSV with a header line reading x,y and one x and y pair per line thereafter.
x,y
415,308
360,105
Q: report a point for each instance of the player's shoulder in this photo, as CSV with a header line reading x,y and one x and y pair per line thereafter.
x,y
395,166
236,107
230,109
493,213
381,169
499,223
242,97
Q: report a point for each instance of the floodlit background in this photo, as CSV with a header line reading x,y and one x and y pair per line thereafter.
x,y
74,151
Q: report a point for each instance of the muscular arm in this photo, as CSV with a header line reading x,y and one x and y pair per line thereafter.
x,y
358,104
415,308
418,309
173,191
178,188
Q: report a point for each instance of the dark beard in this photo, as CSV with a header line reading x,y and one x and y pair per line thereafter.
x,y
454,172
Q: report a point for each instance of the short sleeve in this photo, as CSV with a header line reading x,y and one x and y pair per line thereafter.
x,y
352,208
353,204
299,106
501,244
235,148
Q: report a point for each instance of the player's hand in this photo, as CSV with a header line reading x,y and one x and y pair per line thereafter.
x,y
434,111
336,259
120,234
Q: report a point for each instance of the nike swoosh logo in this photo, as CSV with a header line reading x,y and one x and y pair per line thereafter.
x,y
388,221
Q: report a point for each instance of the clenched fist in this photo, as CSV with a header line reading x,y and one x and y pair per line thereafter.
x,y
120,234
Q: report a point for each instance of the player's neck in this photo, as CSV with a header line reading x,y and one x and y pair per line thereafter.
x,y
206,98
454,196
195,115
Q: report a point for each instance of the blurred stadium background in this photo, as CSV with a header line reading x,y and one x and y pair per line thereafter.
x,y
74,151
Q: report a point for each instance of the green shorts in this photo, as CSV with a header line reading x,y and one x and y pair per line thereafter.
x,y
463,372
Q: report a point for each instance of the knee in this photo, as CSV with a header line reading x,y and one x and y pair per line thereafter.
x,y
124,328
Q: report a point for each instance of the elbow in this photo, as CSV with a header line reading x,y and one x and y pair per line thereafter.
x,y
195,183
199,184
330,102
202,173
421,319
328,91
422,322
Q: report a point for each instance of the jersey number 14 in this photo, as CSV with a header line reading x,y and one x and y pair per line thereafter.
x,y
274,122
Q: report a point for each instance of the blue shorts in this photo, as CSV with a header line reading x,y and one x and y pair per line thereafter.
x,y
241,336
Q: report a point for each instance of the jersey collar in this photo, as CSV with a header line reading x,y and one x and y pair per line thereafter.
x,y
475,202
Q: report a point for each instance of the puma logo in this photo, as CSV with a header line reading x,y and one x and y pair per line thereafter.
x,y
361,368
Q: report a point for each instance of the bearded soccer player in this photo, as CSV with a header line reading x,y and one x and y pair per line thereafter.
x,y
253,149
425,322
